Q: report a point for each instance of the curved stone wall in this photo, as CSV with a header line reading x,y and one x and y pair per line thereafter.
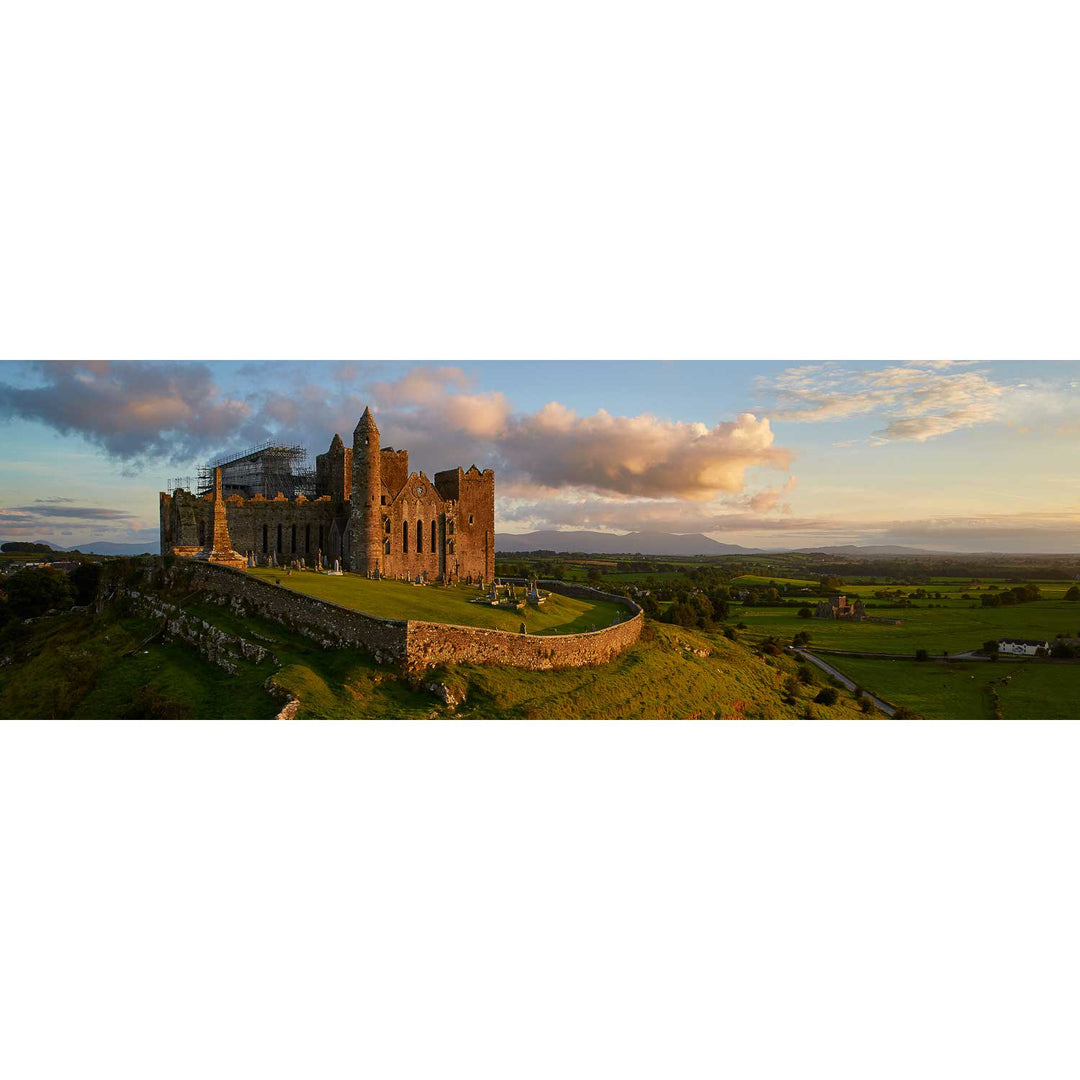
x,y
416,646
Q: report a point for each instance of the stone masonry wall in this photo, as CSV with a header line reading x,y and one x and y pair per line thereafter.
x,y
430,644
330,624
416,646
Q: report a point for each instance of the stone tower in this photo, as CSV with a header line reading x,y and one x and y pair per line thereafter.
x,y
365,521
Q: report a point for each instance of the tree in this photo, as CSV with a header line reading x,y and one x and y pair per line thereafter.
x,y
86,579
801,638
990,648
805,613
34,591
1073,593
592,576
827,695
921,654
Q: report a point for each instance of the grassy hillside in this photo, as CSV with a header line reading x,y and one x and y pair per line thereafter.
x,y
661,677
447,604
103,666
96,667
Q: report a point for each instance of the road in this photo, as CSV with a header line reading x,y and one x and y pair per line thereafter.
x,y
840,677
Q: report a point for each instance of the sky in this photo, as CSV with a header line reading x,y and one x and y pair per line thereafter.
x,y
952,455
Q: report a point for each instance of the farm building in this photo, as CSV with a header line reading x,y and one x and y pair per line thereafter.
x,y
1022,646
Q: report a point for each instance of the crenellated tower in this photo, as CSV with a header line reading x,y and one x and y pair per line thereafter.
x,y
365,519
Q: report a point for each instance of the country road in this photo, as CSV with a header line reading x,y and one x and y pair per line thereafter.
x,y
887,709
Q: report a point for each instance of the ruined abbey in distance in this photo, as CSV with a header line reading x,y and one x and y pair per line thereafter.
x,y
368,511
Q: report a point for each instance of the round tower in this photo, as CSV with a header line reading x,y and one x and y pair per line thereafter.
x,y
365,519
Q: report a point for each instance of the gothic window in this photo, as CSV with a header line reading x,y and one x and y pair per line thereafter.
x,y
386,546
294,539
321,544
434,537
450,527
470,519
405,538
383,498
386,525
450,547
266,543
279,547
202,534
419,537
307,539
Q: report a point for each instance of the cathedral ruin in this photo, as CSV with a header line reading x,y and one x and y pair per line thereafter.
x,y
368,511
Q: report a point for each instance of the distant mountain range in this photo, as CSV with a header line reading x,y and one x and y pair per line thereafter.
x,y
635,543
662,543
107,547
600,543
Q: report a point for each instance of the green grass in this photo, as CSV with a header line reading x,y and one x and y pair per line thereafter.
x,y
446,604
960,691
955,627
656,679
74,666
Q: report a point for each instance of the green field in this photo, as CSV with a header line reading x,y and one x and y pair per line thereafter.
x,y
447,604
757,579
960,691
955,627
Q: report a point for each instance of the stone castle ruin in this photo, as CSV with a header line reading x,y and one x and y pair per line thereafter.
x,y
368,512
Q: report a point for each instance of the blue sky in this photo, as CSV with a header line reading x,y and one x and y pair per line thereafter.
x,y
954,455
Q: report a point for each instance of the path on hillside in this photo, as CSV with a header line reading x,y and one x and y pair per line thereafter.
x,y
884,706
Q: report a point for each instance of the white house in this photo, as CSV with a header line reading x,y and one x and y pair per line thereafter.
x,y
1021,646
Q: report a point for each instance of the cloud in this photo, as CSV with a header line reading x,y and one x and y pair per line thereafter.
x,y
86,513
129,409
920,400
638,456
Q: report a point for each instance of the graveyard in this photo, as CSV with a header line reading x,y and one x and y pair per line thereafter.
x,y
459,604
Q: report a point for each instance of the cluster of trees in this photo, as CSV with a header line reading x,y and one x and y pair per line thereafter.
x,y
17,547
1020,594
36,590
701,609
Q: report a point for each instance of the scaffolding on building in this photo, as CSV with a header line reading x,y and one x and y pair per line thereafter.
x,y
266,469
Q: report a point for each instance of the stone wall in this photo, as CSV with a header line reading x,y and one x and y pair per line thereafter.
x,y
330,624
431,644
415,646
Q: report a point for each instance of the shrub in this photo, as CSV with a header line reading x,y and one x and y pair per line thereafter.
x,y
806,674
148,703
805,613
921,654
827,695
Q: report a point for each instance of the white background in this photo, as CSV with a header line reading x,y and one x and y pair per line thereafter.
x,y
455,181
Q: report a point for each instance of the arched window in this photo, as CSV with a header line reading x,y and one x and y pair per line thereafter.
x,y
202,534
405,538
386,525
419,537
450,547
386,546
279,547
434,538
321,544
294,539
266,542
307,539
